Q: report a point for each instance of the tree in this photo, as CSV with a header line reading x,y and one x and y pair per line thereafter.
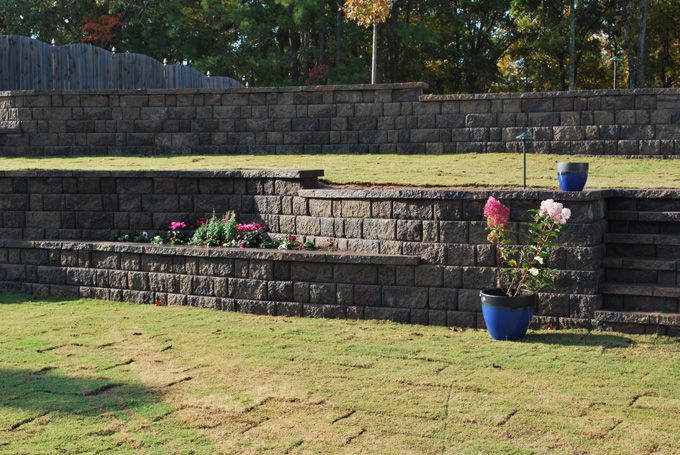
x,y
643,57
453,45
572,45
101,29
367,13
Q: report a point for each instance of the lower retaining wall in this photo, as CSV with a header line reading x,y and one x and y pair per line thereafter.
x,y
286,283
410,255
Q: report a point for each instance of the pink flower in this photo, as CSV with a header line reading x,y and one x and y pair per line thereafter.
x,y
241,245
201,221
555,210
292,238
177,225
496,213
250,227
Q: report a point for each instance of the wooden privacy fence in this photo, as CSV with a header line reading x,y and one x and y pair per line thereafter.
x,y
29,64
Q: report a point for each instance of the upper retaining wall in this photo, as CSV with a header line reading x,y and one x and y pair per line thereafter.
x,y
383,118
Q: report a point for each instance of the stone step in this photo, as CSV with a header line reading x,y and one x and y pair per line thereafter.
x,y
651,201
643,239
635,263
9,127
635,215
640,290
638,322
639,317
640,297
656,272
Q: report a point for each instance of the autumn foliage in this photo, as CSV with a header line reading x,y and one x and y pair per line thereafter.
x,y
368,12
101,29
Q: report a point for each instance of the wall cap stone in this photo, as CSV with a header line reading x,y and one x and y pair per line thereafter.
x,y
557,94
322,256
481,193
216,173
198,91
661,193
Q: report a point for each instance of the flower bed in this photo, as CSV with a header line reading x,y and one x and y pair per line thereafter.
x,y
224,231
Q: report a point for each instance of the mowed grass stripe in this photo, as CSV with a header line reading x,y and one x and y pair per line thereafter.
x,y
492,169
238,383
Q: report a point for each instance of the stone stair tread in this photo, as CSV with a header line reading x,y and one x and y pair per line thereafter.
x,y
638,317
9,127
635,263
640,290
636,215
643,239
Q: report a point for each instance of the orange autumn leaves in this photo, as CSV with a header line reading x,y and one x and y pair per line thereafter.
x,y
368,12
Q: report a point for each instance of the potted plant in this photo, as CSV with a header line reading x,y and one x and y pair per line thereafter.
x,y
508,308
572,176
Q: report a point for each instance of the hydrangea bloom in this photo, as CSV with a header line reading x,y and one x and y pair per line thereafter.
x,y
555,210
496,213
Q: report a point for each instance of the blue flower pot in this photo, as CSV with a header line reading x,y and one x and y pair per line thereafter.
x,y
572,176
507,318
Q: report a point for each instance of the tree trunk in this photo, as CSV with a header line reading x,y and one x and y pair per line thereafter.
x,y
294,63
339,22
305,52
374,59
572,45
628,43
321,59
393,51
643,59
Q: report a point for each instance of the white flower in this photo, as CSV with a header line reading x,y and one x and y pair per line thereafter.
x,y
565,214
538,259
533,271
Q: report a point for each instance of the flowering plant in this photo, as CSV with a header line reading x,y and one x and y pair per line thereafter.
x,y
253,235
291,242
224,231
215,231
523,268
176,234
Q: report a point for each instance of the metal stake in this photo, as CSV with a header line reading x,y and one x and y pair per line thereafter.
x,y
524,137
615,60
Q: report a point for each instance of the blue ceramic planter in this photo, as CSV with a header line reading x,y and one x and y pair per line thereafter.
x,y
572,176
507,318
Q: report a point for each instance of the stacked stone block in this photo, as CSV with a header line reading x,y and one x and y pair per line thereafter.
x,y
316,284
404,255
95,205
445,229
382,118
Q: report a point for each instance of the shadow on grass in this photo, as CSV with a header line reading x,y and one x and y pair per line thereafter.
x,y
580,339
46,390
15,298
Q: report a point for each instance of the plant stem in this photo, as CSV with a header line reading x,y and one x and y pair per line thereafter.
x,y
539,248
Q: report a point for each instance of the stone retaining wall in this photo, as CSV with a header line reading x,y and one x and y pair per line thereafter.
x,y
317,284
93,205
443,229
384,118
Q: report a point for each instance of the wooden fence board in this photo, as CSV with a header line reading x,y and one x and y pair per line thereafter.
x,y
29,64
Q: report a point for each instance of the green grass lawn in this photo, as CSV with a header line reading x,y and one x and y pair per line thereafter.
x,y
90,376
437,170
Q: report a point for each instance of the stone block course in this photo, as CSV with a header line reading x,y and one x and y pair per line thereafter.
x,y
388,118
443,229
